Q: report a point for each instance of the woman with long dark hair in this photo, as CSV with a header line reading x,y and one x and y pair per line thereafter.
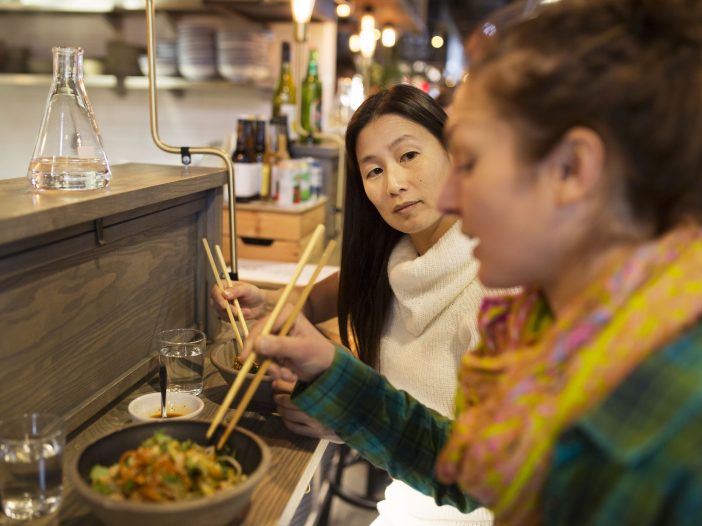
x,y
407,275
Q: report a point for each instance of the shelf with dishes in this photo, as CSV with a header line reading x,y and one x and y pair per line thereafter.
x,y
130,82
269,10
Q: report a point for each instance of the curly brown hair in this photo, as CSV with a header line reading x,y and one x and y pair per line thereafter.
x,y
631,70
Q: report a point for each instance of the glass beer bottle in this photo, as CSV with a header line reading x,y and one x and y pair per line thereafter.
x,y
284,96
246,173
311,112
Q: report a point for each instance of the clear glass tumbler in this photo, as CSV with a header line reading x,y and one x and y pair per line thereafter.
x,y
31,465
182,351
68,154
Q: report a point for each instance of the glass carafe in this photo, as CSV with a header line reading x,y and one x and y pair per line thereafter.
x,y
69,154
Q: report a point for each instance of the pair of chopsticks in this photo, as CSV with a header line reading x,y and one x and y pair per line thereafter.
x,y
225,271
236,385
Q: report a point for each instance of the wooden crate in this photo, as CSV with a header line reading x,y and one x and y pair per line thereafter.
x,y
265,231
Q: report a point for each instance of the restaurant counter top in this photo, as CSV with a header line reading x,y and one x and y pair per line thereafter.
x,y
294,458
26,212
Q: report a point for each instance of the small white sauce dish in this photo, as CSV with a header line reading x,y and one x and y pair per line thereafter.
x,y
179,406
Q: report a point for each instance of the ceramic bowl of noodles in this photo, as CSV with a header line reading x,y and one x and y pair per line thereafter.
x,y
223,358
165,473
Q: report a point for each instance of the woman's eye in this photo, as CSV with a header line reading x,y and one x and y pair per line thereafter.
x,y
374,172
409,156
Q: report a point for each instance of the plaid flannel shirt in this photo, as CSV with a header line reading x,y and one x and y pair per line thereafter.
x,y
636,459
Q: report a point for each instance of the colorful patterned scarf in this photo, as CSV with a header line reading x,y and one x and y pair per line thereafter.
x,y
533,376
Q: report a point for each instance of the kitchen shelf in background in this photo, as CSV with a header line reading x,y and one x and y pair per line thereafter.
x,y
130,83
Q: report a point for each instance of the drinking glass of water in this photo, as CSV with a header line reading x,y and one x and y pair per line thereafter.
x,y
31,453
182,351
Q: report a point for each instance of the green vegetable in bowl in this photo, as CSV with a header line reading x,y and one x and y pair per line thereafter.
x,y
164,469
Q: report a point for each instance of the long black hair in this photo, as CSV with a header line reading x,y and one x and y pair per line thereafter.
x,y
364,289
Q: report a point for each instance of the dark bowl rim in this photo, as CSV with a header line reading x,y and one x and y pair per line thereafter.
x,y
220,366
87,492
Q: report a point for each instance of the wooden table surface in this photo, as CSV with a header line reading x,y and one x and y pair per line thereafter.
x,y
294,459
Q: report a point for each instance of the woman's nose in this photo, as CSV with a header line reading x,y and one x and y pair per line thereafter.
x,y
396,180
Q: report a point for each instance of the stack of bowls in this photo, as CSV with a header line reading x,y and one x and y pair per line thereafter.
x,y
166,63
196,50
243,56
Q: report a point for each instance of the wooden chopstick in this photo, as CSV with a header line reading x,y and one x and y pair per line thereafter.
x,y
246,366
283,332
237,306
221,288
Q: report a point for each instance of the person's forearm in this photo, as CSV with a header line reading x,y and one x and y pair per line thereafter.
x,y
387,426
321,305
322,302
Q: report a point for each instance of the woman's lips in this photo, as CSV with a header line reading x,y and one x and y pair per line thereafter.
x,y
404,208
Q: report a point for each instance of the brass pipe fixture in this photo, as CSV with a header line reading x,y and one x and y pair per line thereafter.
x,y
184,151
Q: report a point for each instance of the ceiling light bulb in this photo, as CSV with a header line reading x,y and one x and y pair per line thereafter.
x,y
367,38
302,10
367,20
388,36
343,10
437,41
355,43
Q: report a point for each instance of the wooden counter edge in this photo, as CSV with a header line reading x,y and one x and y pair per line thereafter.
x,y
25,212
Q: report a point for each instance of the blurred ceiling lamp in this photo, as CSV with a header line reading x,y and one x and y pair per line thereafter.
x,y
388,36
367,40
367,20
367,33
343,9
302,13
355,43
437,41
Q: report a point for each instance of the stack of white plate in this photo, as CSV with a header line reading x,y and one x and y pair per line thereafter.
x,y
243,56
196,50
166,62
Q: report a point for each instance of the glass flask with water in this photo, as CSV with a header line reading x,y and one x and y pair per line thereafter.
x,y
69,154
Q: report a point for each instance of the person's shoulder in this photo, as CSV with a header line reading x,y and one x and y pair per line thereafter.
x,y
655,413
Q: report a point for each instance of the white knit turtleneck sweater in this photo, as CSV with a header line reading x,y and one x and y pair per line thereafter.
x,y
433,321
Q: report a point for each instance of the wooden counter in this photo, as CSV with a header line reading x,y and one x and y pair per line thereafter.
x,y
86,281
88,278
294,460
25,212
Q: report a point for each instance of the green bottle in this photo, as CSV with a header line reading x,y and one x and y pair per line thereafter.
x,y
284,99
311,111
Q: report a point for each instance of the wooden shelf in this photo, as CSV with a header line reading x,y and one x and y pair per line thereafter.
x,y
268,11
96,6
130,83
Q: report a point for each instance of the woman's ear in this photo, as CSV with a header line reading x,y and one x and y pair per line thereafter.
x,y
577,165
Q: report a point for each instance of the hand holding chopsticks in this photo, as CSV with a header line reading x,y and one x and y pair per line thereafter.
x,y
283,332
221,288
240,314
316,236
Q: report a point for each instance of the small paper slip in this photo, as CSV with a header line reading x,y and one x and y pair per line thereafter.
x,y
278,273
